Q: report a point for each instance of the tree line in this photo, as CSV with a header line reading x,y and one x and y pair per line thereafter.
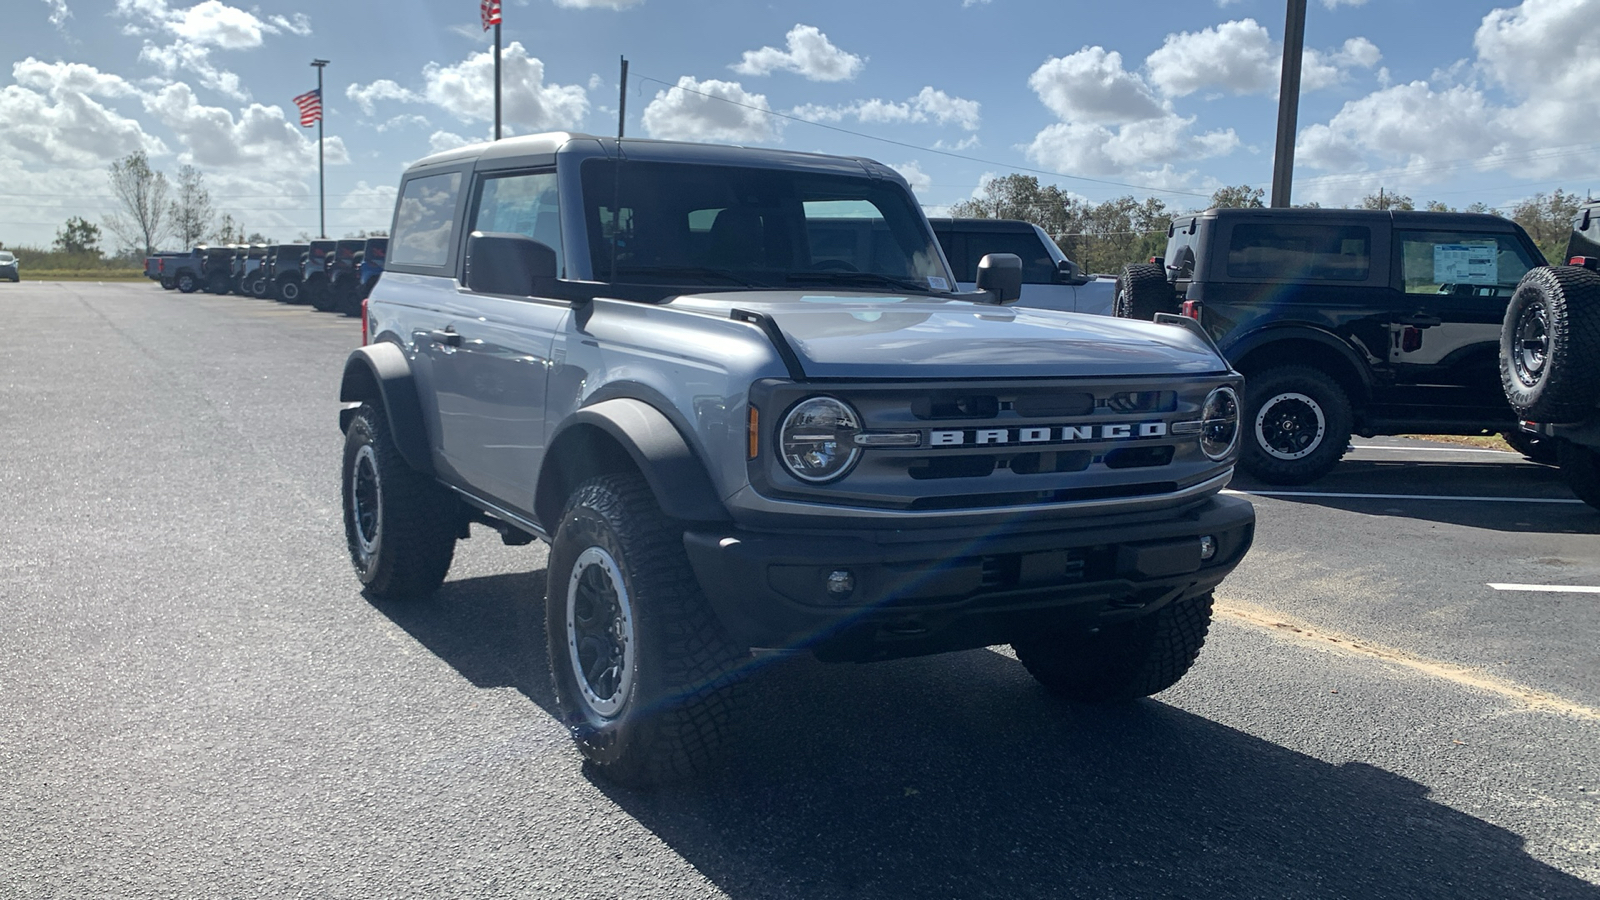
x,y
1104,237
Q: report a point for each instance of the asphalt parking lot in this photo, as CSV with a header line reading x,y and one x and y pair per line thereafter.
x,y
1400,696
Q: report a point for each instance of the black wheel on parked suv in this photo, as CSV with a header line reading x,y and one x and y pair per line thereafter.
x,y
644,677
187,283
168,284
1142,291
260,288
289,291
320,296
1580,467
1121,662
1550,345
398,522
1297,423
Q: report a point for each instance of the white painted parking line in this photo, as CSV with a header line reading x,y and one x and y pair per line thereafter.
x,y
1507,453
1548,588
1427,497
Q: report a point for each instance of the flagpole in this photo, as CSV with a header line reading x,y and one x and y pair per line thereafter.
x,y
322,197
497,81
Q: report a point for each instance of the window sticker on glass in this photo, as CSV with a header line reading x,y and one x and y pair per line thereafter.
x,y
1475,263
937,283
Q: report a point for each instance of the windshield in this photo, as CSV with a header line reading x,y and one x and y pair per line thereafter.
x,y
725,227
5,256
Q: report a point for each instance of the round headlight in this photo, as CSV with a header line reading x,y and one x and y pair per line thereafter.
x,y
1219,426
817,440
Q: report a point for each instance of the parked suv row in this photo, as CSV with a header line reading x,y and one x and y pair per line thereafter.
x,y
1344,322
331,275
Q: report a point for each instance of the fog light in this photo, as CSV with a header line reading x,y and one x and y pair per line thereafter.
x,y
841,584
1208,547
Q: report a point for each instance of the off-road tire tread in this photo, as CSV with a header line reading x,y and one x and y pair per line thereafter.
x,y
1125,662
1570,387
697,660
418,539
1142,291
1336,411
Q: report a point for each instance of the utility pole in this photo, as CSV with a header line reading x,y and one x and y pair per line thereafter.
x,y
1294,42
322,195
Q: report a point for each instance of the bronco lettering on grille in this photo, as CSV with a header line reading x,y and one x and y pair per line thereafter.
x,y
1055,434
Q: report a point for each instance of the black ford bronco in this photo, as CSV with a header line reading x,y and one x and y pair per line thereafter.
x,y
1344,321
1550,356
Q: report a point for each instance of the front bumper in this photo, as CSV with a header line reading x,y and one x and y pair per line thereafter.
x,y
933,590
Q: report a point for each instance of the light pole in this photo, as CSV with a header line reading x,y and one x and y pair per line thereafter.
x,y
322,201
1294,42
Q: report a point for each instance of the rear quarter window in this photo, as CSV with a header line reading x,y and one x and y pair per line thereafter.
x,y
1300,253
424,220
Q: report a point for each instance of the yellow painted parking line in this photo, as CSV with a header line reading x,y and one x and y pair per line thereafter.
x,y
1288,627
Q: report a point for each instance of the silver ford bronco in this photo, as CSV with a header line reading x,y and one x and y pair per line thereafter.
x,y
737,392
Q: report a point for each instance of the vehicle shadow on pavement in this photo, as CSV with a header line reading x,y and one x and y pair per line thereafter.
x,y
958,776
1418,482
490,629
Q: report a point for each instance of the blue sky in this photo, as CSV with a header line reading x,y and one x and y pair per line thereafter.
x,y
1455,100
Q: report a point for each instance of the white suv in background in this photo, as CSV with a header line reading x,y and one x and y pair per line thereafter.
x,y
1049,279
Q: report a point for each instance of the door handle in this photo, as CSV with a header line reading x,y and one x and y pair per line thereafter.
x,y
1420,320
447,337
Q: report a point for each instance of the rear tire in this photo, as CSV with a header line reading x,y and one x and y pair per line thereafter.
x,y
167,284
645,678
400,525
1550,345
1142,291
289,291
1297,423
187,283
1580,466
1121,662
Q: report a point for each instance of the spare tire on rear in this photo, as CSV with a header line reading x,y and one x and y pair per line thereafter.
x,y
1550,345
1142,291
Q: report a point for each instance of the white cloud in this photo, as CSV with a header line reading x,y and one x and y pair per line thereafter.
x,y
440,141
59,13
1335,4
61,125
810,54
1092,86
405,121
1238,57
1241,58
197,60
366,96
699,111
260,141
598,4
209,23
466,90
967,4
1112,122
1545,54
928,104
919,180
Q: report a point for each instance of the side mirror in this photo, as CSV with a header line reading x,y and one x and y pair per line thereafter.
x,y
1001,275
1067,272
508,264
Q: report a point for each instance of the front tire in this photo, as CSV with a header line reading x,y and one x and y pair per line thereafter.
x,y
1121,662
400,524
1580,466
645,678
1297,425
187,283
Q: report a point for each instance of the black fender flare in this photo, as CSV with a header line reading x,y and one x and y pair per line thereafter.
x,y
383,369
657,448
1253,341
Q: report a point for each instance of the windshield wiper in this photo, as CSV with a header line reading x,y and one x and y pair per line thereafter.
x,y
692,272
861,278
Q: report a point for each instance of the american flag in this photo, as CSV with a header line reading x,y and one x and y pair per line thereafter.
x,y
310,104
490,10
